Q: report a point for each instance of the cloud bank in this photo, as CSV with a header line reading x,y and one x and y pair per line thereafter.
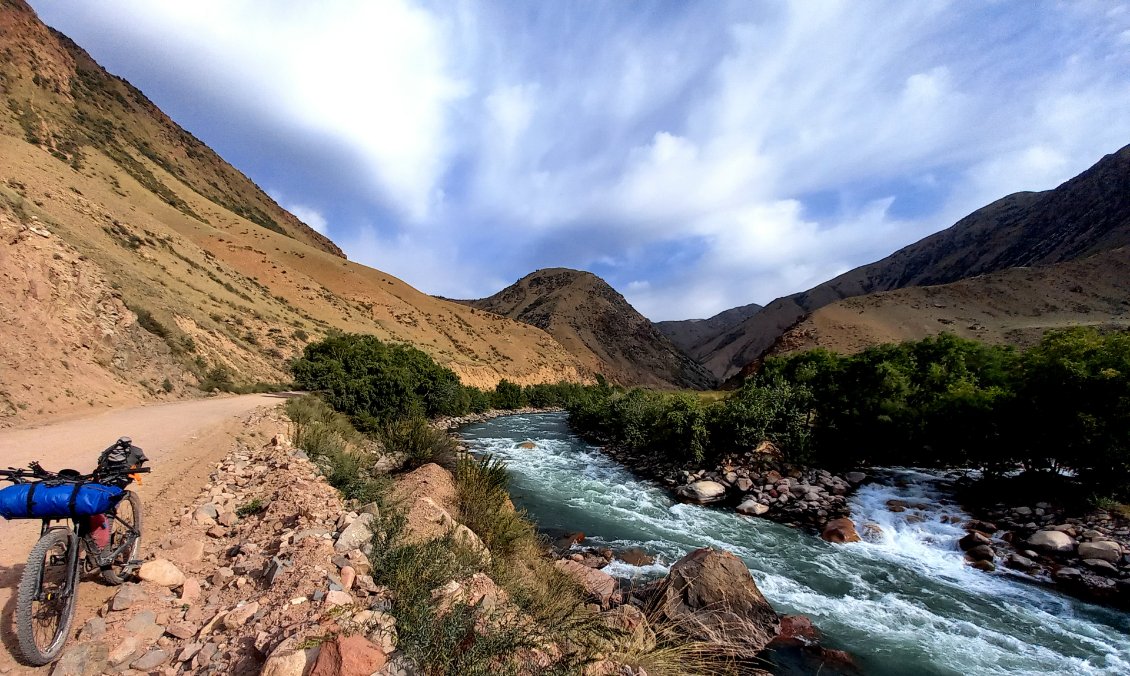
x,y
696,156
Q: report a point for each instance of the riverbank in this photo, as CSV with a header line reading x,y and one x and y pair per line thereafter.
x,y
901,602
1084,553
1081,553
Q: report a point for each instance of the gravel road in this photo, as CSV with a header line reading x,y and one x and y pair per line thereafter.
x,y
182,439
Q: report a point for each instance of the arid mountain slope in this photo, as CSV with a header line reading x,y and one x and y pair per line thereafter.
x,y
1014,306
1087,214
592,320
689,335
109,213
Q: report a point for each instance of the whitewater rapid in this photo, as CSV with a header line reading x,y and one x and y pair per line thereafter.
x,y
902,602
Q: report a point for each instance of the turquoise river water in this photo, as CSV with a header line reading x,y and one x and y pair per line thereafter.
x,y
902,604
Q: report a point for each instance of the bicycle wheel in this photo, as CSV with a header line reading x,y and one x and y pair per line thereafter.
x,y
45,605
125,529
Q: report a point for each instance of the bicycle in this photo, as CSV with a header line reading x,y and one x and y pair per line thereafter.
x,y
103,533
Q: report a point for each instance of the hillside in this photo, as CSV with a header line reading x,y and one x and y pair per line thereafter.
x,y
689,335
592,320
1014,306
137,264
1088,214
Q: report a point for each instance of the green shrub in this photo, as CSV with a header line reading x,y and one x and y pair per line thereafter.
x,y
417,443
360,374
484,505
336,447
147,321
508,396
1063,404
218,378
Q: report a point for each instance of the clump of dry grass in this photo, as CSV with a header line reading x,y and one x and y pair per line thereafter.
x,y
664,649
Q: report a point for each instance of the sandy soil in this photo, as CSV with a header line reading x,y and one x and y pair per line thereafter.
x,y
181,439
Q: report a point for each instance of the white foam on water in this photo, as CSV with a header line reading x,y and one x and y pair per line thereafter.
x,y
903,602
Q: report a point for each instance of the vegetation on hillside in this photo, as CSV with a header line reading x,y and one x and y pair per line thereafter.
x,y
1060,408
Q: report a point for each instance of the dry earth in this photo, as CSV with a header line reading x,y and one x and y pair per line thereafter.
x,y
182,440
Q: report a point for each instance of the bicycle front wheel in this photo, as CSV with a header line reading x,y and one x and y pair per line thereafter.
x,y
45,605
125,532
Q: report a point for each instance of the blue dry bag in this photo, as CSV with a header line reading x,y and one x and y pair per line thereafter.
x,y
39,500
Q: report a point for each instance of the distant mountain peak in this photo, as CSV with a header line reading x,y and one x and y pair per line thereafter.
x,y
595,322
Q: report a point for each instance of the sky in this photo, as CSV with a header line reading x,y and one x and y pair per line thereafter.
x,y
696,155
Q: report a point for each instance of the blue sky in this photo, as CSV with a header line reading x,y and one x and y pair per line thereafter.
x,y
697,155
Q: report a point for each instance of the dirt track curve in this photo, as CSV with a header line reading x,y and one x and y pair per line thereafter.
x,y
182,440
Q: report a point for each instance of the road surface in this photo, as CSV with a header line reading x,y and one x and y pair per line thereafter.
x,y
182,440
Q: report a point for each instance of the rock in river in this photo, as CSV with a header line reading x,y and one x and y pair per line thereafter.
x,y
752,507
702,492
712,597
840,530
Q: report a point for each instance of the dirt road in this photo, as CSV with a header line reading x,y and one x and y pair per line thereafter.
x,y
181,439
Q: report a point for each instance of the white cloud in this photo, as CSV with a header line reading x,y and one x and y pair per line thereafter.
x,y
373,76
701,156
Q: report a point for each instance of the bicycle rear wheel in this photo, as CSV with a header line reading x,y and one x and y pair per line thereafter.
x,y
45,605
125,532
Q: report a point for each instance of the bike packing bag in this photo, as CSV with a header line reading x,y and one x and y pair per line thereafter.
x,y
40,500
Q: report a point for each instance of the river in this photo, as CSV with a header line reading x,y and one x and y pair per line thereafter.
x,y
903,603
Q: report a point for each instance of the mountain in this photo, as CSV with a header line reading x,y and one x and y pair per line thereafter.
x,y
689,335
136,264
1086,215
593,321
1014,306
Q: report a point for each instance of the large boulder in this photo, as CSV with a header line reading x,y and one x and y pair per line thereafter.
x,y
599,585
1104,550
710,595
1052,541
840,531
702,492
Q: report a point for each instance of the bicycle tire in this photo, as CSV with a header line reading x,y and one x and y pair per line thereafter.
x,y
62,609
115,574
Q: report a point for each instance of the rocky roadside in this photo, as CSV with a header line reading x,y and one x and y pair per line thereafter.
x,y
1086,555
265,564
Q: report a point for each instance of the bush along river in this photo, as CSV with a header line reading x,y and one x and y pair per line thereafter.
x,y
901,602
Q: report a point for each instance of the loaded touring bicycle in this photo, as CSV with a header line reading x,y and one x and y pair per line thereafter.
x,y
89,520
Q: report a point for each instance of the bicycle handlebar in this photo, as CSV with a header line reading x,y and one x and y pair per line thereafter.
x,y
37,472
